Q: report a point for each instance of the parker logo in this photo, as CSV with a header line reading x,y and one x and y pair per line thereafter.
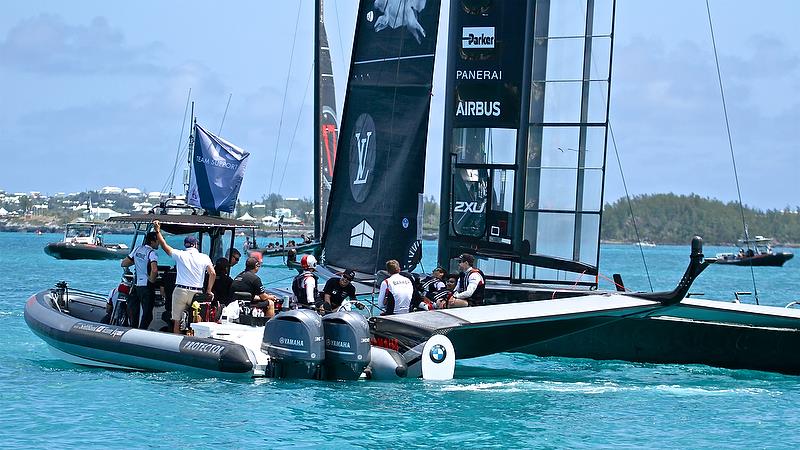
x,y
469,207
362,235
477,37
474,109
362,156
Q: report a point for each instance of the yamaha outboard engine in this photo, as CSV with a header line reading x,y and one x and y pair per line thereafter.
x,y
347,347
294,340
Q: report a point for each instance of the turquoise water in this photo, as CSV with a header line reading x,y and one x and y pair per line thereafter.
x,y
504,400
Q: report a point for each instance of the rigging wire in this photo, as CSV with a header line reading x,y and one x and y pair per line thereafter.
x,y
225,114
730,145
341,45
171,182
630,204
296,126
283,103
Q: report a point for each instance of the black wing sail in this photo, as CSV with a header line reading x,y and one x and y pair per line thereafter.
x,y
375,204
328,125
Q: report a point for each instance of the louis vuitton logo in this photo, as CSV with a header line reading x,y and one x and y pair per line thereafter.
x,y
363,147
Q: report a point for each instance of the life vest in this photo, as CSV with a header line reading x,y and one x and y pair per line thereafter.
x,y
299,289
427,284
477,296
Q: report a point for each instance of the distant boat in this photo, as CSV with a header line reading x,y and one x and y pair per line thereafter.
x,y
83,241
755,252
644,244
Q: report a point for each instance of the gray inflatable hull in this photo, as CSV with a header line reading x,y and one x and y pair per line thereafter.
x,y
93,343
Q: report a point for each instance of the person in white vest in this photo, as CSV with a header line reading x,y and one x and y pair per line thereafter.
x,y
144,260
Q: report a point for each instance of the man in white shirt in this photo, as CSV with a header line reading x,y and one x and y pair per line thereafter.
x,y
396,291
191,268
145,261
471,283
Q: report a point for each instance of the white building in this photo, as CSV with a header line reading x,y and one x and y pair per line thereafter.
x,y
110,190
285,212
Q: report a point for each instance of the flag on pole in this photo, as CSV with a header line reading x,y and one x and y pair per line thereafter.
x,y
217,172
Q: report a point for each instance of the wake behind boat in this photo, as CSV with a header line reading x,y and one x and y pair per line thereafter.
x,y
82,240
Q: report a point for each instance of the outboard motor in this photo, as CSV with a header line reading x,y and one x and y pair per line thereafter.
x,y
347,347
294,340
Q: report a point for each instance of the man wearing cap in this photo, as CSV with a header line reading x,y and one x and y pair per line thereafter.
x,y
191,268
337,289
249,281
470,286
144,260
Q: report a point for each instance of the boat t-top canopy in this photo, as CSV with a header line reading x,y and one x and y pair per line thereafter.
x,y
183,224
758,240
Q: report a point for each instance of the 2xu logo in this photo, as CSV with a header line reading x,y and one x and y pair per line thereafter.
x,y
469,207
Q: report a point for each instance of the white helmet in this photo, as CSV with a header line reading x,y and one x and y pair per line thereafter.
x,y
308,262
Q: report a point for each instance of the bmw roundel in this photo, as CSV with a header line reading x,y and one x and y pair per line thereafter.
x,y
438,353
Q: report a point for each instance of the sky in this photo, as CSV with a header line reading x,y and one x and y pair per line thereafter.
x,y
94,94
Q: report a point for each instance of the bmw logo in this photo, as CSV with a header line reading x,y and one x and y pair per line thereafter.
x,y
438,353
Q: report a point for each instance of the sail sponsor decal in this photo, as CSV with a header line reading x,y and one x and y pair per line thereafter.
x,y
477,37
380,163
217,171
362,156
487,66
469,207
362,235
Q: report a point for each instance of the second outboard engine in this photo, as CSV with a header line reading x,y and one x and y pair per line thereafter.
x,y
294,341
347,347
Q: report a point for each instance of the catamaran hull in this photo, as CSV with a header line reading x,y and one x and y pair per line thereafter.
x,y
713,333
92,343
484,330
775,259
64,250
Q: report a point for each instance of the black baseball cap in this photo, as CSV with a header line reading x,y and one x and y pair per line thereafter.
x,y
467,258
349,274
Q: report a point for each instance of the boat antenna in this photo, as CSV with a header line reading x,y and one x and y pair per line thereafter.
x,y
225,114
171,181
730,146
283,104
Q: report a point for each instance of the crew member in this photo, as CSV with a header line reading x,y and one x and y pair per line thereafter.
x,y
249,281
191,266
144,260
337,289
470,286
432,283
222,285
396,291
441,298
304,285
